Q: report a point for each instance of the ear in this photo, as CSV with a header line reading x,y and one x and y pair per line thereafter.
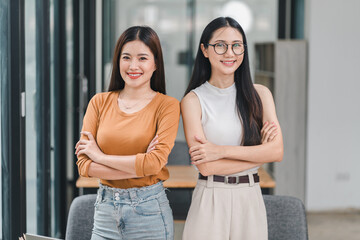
x,y
204,50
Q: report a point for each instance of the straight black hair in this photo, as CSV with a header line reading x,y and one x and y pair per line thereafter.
x,y
248,101
149,37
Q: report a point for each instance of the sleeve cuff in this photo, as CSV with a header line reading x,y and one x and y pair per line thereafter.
x,y
84,170
139,164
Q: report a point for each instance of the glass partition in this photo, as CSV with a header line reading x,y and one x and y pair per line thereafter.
x,y
169,20
31,133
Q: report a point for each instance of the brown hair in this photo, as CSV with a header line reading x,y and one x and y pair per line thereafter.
x,y
149,37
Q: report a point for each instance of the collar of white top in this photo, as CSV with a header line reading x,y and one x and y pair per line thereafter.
x,y
214,89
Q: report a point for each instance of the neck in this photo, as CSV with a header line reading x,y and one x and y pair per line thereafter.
x,y
223,81
136,93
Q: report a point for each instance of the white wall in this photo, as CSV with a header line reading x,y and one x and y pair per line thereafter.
x,y
333,133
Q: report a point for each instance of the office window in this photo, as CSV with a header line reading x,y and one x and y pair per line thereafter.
x,y
31,134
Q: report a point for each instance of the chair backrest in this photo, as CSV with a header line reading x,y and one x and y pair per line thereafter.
x,y
286,218
81,218
179,155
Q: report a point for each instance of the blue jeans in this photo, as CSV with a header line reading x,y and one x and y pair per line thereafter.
x,y
134,213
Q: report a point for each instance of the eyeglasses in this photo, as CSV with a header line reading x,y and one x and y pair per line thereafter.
x,y
221,48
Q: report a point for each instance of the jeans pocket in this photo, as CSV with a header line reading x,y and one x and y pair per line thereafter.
x,y
163,200
147,208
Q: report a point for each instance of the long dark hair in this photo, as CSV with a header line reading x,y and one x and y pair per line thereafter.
x,y
149,37
247,99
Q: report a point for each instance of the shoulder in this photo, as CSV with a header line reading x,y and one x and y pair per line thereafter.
x,y
190,105
264,92
166,104
167,100
261,89
100,100
190,99
102,97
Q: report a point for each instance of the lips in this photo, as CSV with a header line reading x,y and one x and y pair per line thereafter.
x,y
134,75
228,63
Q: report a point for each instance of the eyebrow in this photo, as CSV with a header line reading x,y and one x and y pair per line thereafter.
x,y
140,54
225,41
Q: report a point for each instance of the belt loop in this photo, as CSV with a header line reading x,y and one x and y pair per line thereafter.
x,y
101,193
251,179
133,196
210,181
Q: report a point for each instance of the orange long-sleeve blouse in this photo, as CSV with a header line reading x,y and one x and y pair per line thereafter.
x,y
120,133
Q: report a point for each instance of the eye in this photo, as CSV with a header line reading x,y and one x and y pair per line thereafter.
x,y
236,45
143,58
125,57
220,45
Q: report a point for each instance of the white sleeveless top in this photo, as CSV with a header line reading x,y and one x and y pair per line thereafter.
x,y
220,120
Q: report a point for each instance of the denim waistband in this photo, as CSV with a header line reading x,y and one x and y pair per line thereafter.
x,y
131,194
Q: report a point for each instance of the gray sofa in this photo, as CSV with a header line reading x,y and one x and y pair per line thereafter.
x,y
286,218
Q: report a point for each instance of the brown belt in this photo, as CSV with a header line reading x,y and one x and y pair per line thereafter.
x,y
232,180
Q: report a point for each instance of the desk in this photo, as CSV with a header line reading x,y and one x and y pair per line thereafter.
x,y
180,177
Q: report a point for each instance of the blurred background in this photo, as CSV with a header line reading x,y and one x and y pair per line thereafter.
x,y
56,54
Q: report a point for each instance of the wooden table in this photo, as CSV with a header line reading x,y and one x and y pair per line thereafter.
x,y
180,177
182,181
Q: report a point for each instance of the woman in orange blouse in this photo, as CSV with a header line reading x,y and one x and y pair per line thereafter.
x,y
127,135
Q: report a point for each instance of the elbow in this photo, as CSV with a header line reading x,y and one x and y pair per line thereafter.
x,y
279,154
204,170
153,171
153,168
83,172
83,168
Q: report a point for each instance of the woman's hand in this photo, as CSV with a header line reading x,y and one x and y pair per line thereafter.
x,y
268,132
204,152
152,144
89,148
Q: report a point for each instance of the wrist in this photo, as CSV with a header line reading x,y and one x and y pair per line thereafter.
x,y
221,151
101,157
227,152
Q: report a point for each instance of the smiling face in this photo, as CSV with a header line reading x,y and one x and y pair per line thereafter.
x,y
137,64
227,63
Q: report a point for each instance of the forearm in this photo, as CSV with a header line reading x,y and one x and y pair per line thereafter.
x,y
225,167
264,153
124,163
107,173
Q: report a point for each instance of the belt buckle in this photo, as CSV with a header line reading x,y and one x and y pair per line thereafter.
x,y
236,177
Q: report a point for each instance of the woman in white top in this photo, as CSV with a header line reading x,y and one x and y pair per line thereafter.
x,y
231,128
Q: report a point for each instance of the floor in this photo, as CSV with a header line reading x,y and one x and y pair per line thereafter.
x,y
336,225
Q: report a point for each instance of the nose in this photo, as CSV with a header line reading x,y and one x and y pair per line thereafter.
x,y
133,64
229,51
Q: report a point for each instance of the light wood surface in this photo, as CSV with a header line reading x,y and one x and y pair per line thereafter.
x,y
180,177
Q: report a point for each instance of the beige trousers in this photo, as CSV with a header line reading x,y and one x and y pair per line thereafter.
x,y
222,211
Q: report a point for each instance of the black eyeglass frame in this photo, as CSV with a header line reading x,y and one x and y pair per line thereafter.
x,y
227,48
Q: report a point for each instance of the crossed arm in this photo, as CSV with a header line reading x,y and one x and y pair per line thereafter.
x,y
223,160
108,167
92,162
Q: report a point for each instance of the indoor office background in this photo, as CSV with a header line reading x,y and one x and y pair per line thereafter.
x,y
55,55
